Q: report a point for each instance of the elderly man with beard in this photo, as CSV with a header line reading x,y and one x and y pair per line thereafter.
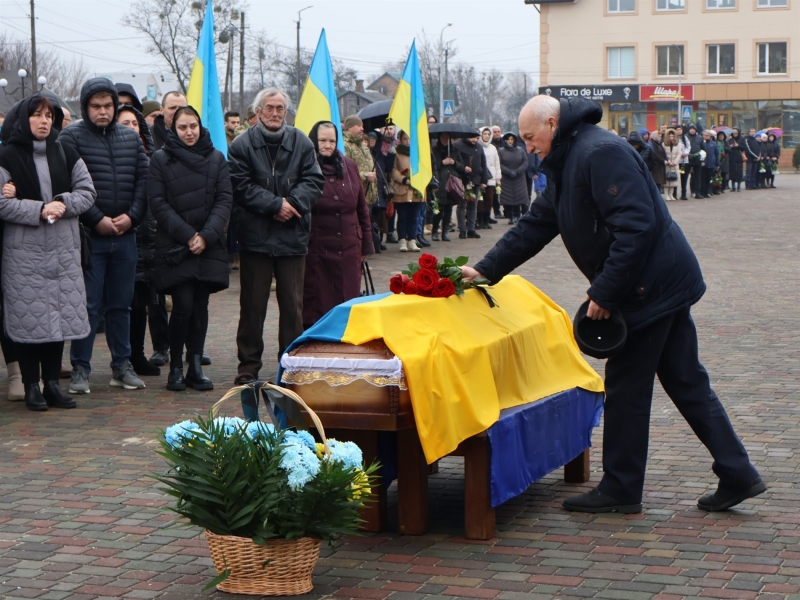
x,y
603,202
276,182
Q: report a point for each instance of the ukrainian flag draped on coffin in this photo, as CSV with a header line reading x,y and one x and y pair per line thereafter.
x,y
409,114
319,101
203,92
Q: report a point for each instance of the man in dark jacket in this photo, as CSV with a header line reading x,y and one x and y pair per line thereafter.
x,y
708,164
477,175
752,156
276,182
695,145
603,202
170,104
117,163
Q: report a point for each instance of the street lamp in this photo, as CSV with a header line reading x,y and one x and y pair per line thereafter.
x,y
441,73
299,84
22,74
680,78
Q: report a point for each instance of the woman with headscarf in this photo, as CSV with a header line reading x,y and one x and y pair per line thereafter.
x,y
658,161
341,233
493,163
514,166
733,148
672,151
189,192
722,148
45,188
773,153
449,163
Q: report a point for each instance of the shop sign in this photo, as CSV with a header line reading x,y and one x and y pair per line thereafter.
x,y
601,93
665,93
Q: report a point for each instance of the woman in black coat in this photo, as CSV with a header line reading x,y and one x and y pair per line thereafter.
x,y
189,191
449,163
733,148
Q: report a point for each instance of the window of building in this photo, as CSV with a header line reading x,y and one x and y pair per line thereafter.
x,y
621,62
721,59
621,6
667,5
669,61
772,3
720,4
771,58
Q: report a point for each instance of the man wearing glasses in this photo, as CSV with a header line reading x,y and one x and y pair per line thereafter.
x,y
276,182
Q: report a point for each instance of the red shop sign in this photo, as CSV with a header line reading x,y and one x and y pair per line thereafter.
x,y
665,93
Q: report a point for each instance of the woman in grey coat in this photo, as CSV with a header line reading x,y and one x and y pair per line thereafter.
x,y
45,188
514,165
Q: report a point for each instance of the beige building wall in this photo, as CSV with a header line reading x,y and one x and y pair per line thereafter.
x,y
574,38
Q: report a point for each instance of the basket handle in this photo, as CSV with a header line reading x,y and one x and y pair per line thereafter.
x,y
281,390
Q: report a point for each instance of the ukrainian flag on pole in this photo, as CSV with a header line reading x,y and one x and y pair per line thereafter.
x,y
409,114
203,93
319,102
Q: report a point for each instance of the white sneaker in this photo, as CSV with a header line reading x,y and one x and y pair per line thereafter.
x,y
403,247
412,246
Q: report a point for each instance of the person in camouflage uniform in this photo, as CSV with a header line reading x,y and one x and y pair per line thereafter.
x,y
356,150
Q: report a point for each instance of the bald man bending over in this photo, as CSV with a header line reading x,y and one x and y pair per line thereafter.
x,y
605,205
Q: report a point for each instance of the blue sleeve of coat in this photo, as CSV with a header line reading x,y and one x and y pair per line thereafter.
x,y
622,189
533,232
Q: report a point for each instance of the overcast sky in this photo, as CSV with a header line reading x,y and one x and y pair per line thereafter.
x,y
365,34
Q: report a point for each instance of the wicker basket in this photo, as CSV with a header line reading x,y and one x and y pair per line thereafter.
x,y
281,568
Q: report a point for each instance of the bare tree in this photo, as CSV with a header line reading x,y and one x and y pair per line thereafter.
x,y
173,29
515,95
64,77
430,54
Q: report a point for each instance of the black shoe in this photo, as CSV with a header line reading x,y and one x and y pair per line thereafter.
x,y
773,187
382,247
55,397
391,239
445,237
194,375
725,498
160,358
142,366
683,197
479,224
473,234
435,236
486,222
462,235
595,501
175,381
244,379
491,221
205,360
33,397
422,241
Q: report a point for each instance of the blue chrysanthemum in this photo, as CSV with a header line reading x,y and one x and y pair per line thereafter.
x,y
176,434
299,461
256,430
346,453
230,424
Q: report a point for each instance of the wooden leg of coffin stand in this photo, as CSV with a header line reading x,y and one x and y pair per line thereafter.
x,y
479,516
374,514
412,484
577,470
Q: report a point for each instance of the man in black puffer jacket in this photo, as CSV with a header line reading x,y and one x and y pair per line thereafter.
x,y
117,163
618,231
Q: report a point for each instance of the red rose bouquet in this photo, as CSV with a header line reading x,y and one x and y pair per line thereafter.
x,y
433,279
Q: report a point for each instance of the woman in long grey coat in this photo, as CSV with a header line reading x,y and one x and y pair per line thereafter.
x,y
45,188
514,165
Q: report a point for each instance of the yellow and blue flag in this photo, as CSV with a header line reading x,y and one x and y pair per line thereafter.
x,y
203,93
319,102
409,114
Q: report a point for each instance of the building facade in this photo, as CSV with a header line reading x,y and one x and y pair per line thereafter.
x,y
736,63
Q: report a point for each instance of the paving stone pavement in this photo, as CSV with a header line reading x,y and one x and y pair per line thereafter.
x,y
81,520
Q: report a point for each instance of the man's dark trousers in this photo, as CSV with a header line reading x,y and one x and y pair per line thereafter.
x,y
751,174
255,277
667,348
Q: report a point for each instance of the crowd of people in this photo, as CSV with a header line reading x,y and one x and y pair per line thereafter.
x,y
707,163
112,218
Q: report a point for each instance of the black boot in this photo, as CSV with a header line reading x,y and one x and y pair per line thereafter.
x,y
33,397
142,366
595,501
55,396
486,221
194,376
175,381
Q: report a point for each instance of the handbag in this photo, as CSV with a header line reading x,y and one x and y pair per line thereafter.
x,y
86,248
454,188
366,274
672,175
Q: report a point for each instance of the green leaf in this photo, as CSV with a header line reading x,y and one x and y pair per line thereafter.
x,y
482,281
449,262
413,267
407,272
218,579
462,260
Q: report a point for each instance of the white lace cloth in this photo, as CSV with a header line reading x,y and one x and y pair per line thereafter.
x,y
306,369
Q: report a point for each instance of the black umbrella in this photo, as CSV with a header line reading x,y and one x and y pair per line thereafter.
x,y
375,115
456,130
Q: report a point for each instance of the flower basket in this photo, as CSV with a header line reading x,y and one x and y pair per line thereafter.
x,y
280,568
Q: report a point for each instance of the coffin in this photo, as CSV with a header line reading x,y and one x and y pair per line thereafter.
x,y
350,387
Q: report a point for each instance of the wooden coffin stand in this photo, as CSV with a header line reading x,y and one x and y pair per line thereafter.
x,y
359,410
